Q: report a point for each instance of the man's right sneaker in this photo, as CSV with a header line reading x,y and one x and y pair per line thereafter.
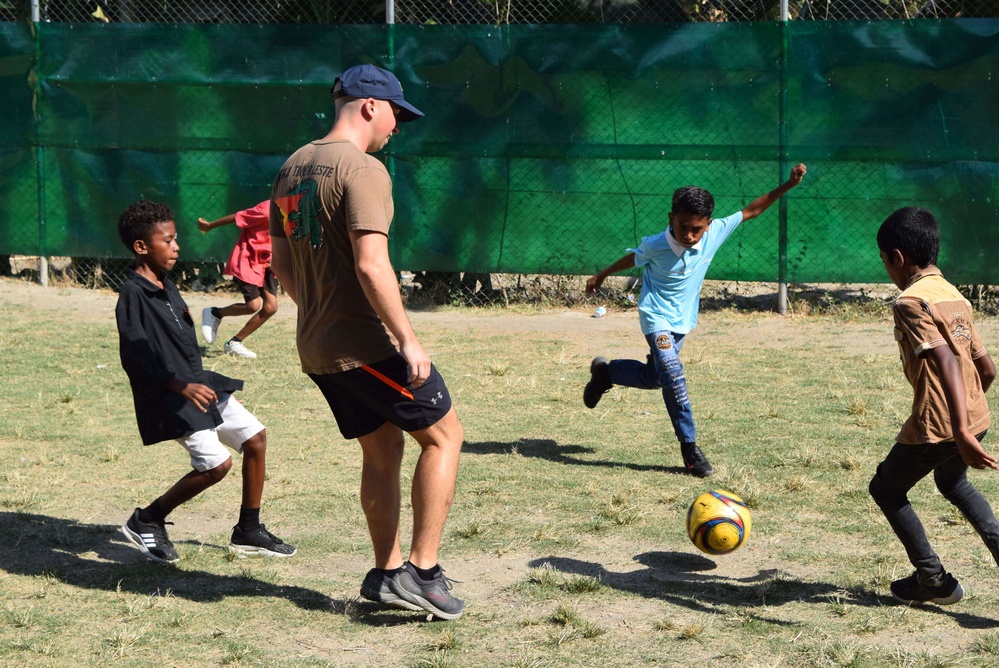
x,y
376,588
694,460
237,348
600,382
209,324
433,596
911,590
151,538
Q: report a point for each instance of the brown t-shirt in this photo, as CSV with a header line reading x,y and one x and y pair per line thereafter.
x,y
929,313
325,190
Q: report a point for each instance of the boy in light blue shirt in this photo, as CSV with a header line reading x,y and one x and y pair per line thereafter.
x,y
674,264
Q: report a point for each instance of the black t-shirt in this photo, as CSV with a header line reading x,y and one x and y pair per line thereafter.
x,y
157,343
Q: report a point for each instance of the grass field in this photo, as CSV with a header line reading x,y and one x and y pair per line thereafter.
x,y
567,532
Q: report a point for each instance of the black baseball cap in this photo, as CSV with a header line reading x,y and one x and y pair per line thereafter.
x,y
369,81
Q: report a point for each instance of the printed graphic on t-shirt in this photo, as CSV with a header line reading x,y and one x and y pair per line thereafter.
x,y
961,328
300,213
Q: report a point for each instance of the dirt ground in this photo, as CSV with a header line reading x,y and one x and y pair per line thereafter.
x,y
616,332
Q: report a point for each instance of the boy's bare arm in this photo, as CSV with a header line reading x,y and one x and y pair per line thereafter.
x,y
954,390
763,202
204,225
595,281
199,395
986,371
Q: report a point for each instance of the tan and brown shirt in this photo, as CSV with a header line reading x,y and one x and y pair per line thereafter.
x,y
929,313
325,190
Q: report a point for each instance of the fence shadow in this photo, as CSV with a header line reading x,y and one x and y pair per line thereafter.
x,y
684,579
96,556
551,450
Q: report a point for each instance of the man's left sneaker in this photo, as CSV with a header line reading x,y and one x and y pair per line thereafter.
x,y
433,596
259,543
237,348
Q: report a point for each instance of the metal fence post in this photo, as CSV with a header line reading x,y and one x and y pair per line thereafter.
x,y
783,166
43,262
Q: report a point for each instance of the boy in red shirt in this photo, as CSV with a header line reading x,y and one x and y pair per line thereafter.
x,y
250,268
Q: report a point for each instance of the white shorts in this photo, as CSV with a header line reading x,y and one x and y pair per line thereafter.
x,y
238,426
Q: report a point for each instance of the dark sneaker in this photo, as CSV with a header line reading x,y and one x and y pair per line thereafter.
x,y
258,543
151,538
376,588
433,596
911,590
695,461
599,384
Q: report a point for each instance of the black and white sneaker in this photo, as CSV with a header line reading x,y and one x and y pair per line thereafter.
x,y
150,538
259,542
694,460
433,596
376,588
912,589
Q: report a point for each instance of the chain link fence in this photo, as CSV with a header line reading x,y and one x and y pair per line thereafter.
x,y
606,178
490,12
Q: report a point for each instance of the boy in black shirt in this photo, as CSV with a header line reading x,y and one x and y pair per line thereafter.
x,y
175,398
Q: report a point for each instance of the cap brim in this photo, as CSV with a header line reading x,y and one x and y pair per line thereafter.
x,y
407,112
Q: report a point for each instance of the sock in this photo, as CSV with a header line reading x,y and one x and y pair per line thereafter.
x,y
236,339
249,518
216,313
426,574
389,571
153,513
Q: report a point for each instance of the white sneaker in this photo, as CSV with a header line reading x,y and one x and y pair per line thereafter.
x,y
237,348
209,324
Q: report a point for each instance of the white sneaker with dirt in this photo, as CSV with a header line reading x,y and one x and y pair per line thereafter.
x,y
209,324
237,348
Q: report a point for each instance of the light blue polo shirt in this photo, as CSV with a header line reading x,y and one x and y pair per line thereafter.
x,y
672,276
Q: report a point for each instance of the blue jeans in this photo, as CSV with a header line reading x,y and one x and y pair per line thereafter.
x,y
662,370
906,465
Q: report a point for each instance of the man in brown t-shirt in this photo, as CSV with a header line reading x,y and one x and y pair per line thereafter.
x,y
331,207
949,369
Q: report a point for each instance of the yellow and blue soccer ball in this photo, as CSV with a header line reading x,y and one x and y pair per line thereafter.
x,y
718,522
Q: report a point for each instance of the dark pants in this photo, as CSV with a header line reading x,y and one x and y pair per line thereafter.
x,y
906,465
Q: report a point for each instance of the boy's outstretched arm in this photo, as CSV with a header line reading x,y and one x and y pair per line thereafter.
x,y
204,225
986,371
763,202
595,281
954,390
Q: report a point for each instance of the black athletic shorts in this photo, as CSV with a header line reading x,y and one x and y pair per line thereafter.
x,y
365,398
251,291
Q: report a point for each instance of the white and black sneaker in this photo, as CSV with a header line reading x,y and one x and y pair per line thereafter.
x,y
209,324
151,538
259,542
238,349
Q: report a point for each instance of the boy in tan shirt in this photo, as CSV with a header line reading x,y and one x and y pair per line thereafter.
x,y
947,365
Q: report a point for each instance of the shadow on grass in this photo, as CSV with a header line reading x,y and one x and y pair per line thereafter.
x,y
96,556
544,448
682,579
